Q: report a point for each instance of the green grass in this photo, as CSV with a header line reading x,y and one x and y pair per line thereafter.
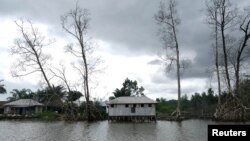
x,y
48,116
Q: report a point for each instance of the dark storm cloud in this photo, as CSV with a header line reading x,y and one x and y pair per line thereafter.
x,y
126,23
128,26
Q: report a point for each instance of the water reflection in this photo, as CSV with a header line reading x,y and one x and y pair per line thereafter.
x,y
132,131
190,130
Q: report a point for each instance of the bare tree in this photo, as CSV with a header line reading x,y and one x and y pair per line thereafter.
x,y
226,19
60,73
224,16
212,14
70,108
29,48
239,57
168,20
76,23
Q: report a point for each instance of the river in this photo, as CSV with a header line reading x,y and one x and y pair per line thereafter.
x,y
188,130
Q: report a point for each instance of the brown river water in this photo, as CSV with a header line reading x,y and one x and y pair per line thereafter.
x,y
188,130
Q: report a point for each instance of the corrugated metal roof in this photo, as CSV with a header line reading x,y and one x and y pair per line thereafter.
x,y
129,99
23,103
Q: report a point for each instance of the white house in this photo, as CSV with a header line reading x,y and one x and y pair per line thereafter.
x,y
132,109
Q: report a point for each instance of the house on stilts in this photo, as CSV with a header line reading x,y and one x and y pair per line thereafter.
x,y
132,109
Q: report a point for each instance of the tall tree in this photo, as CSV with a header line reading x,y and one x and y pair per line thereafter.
x,y
224,15
226,19
76,24
212,18
29,47
241,49
168,20
71,95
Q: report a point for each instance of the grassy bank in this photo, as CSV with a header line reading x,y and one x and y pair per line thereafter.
x,y
49,116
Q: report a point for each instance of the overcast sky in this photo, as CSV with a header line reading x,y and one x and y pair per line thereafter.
x,y
126,35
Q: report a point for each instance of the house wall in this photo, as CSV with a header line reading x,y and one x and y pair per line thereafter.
x,y
121,110
38,109
22,110
7,110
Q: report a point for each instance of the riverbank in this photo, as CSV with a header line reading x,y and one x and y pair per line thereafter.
x,y
54,116
44,116
171,118
60,118
39,116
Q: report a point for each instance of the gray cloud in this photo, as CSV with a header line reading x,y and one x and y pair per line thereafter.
x,y
155,62
129,27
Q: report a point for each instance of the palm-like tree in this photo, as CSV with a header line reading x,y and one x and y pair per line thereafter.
x,y
2,89
21,94
74,95
47,94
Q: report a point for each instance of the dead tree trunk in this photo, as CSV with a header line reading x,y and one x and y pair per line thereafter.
x,y
70,110
178,114
232,107
29,47
76,24
217,58
167,17
245,29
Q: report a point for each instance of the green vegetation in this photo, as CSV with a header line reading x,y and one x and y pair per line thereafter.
x,y
202,104
2,89
99,112
62,104
244,92
129,88
164,108
198,105
48,116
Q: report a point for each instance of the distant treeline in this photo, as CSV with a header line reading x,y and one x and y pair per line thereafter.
x,y
200,104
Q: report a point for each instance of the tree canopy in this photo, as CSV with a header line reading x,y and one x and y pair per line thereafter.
x,y
129,88
74,95
2,89
21,94
45,94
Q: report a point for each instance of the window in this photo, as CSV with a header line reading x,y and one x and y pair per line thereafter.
x,y
112,105
126,105
142,105
149,105
132,109
134,105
